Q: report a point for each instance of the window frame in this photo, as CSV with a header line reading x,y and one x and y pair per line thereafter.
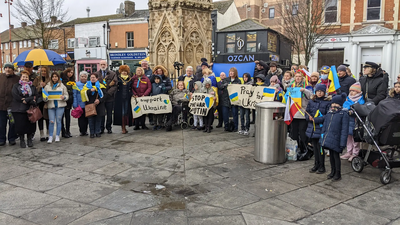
x,y
233,42
52,44
25,44
14,45
97,40
6,46
331,11
130,40
71,43
251,42
29,43
295,6
269,13
374,7
20,44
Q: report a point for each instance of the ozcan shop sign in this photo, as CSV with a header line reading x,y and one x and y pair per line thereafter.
x,y
241,58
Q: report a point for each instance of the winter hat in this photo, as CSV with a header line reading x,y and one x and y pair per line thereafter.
x,y
204,64
274,79
339,99
206,81
325,69
262,77
342,68
9,65
315,74
356,87
125,68
320,87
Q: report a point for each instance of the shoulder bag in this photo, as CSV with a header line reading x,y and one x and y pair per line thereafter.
x,y
90,109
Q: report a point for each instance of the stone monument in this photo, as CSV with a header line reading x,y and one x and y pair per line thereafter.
x,y
179,31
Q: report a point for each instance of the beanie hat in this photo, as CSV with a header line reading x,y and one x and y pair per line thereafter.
x,y
125,68
342,68
9,65
325,69
262,77
339,99
315,74
320,87
274,79
356,87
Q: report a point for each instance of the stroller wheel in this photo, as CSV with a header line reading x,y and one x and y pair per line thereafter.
x,y
191,120
386,176
184,125
357,164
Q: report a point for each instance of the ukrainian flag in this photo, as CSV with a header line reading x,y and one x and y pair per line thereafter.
x,y
269,92
137,109
45,95
333,77
55,95
234,97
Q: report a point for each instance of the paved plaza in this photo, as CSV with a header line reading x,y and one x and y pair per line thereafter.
x,y
181,177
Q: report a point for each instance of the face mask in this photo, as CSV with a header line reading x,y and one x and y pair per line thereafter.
x,y
324,76
336,108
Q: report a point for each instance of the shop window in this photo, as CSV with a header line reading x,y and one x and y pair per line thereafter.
x,y
94,42
230,43
331,11
251,41
129,39
53,44
25,44
272,42
374,10
271,13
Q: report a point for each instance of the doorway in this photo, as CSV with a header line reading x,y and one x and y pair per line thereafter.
x,y
329,57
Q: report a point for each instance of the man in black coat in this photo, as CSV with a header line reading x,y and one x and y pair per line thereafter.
x,y
261,68
345,80
374,84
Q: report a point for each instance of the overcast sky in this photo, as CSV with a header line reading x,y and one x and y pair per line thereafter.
x,y
76,9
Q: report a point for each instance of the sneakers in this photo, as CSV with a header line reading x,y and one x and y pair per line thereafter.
x,y
246,132
345,156
352,157
241,132
57,138
50,140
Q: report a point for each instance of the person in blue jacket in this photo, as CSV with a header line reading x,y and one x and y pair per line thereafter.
x,y
317,109
83,120
158,88
334,134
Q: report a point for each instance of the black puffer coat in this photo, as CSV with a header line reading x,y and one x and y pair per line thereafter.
x,y
374,88
223,87
335,130
345,84
322,104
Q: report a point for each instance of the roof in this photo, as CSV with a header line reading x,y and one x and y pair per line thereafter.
x,y
222,6
245,25
142,13
17,34
91,19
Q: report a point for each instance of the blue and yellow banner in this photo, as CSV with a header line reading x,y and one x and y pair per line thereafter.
x,y
242,68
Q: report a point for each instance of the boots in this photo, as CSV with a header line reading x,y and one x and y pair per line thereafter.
x,y
22,143
124,131
332,174
337,176
30,143
321,168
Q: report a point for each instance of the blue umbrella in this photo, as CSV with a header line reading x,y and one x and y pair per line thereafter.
x,y
39,57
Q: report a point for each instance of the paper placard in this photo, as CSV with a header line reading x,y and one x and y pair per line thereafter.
x,y
295,94
201,103
54,95
158,104
248,96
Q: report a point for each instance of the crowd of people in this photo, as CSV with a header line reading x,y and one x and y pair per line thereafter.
x,y
323,121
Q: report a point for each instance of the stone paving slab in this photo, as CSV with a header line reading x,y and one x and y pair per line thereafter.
x,y
260,220
39,181
221,220
7,220
94,216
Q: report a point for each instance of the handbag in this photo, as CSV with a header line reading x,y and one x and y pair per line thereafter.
x,y
77,112
90,109
34,114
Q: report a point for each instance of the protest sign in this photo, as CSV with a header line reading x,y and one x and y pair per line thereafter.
x,y
248,96
201,103
295,94
54,95
158,104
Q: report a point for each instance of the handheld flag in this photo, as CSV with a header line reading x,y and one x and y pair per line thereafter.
x,y
295,94
269,92
291,109
45,95
333,77
317,114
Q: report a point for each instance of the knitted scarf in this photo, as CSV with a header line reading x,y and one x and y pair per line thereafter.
x,y
26,87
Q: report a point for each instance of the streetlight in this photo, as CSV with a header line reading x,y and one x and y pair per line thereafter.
x,y
9,3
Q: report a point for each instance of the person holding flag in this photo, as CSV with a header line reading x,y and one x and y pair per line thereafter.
x,y
316,110
40,82
325,70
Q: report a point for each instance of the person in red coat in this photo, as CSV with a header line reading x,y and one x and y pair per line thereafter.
x,y
141,86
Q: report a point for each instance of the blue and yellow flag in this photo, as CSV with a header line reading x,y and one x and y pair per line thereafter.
x,y
98,86
269,92
137,109
45,95
234,97
333,77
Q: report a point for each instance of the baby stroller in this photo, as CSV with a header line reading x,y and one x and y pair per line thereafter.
x,y
180,121
381,126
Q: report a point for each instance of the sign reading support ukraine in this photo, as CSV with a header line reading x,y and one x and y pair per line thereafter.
x,y
242,68
248,96
158,104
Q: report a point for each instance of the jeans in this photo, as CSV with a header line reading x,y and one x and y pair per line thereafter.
x,y
225,110
83,123
198,120
3,128
245,116
55,115
109,109
95,124
67,115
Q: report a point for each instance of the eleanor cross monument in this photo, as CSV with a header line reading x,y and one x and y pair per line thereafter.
x,y
179,31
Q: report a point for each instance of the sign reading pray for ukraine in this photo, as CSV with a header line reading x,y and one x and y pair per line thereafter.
x,y
248,96
200,104
158,104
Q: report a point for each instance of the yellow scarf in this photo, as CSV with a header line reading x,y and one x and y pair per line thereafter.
x,y
124,77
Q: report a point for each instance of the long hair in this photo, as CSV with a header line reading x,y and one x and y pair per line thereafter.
x,y
58,76
235,72
65,75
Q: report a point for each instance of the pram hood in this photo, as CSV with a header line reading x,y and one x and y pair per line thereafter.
x,y
387,111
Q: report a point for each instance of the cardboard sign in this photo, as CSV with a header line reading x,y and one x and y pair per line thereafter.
x,y
54,95
158,104
248,96
201,103
295,94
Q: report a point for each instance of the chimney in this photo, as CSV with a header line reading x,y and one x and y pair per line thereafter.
x,y
38,22
53,19
129,8
23,24
11,26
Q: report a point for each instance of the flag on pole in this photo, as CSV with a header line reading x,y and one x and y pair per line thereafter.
x,y
333,77
291,109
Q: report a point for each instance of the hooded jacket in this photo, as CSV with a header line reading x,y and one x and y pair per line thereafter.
x,y
6,85
199,87
213,80
159,88
345,84
374,88
335,130
322,104
264,71
278,73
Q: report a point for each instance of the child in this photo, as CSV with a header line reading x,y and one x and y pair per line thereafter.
x,y
276,83
209,119
317,109
259,80
287,79
197,89
334,134
355,96
245,124
158,88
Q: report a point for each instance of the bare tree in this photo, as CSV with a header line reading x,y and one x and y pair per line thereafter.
x,y
305,22
42,18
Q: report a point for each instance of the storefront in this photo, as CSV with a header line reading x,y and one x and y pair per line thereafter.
x,y
371,43
248,41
